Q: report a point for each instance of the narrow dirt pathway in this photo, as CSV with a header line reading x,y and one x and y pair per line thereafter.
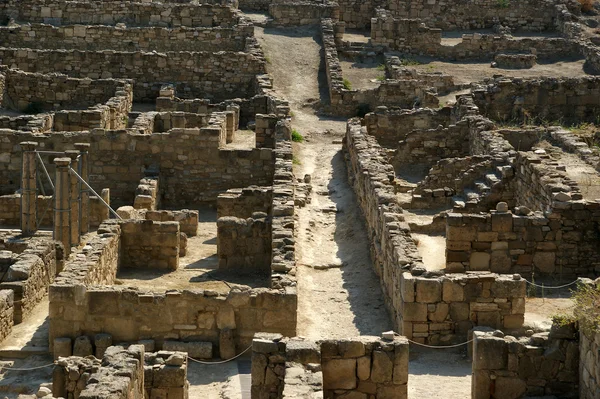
x,y
338,292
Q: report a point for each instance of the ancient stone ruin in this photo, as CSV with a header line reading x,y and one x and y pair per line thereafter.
x,y
299,199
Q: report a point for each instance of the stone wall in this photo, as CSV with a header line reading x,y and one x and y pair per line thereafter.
x,y
119,159
120,373
359,367
30,274
173,315
365,366
545,364
589,365
564,99
187,219
218,76
243,202
148,244
93,38
292,13
415,36
147,195
55,91
6,313
544,244
426,147
113,12
389,126
357,14
82,302
427,308
400,93
244,245
528,15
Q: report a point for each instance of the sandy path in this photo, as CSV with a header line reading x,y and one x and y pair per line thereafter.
x,y
345,298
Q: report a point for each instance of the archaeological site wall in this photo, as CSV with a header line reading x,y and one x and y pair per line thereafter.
x,y
363,366
149,244
528,15
589,359
6,312
430,308
292,13
347,102
574,99
113,12
55,91
218,76
134,153
412,36
94,38
541,365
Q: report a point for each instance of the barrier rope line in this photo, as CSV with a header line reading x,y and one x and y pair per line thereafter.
x,y
221,361
7,368
440,346
551,287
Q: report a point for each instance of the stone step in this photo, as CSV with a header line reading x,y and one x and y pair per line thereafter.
x,y
492,179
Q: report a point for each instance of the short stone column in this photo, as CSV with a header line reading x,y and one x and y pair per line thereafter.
x,y
74,197
229,121
62,231
84,193
28,189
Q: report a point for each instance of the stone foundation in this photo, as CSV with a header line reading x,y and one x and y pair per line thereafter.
x,y
546,364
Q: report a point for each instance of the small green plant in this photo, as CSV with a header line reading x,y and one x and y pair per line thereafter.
x,y
292,114
268,59
503,3
297,137
409,61
562,319
381,67
35,107
586,308
296,161
347,84
380,78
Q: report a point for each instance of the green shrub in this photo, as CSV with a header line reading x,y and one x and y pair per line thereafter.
x,y
297,137
347,84
503,3
586,309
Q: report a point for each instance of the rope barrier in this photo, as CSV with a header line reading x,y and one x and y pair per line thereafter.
x,y
26,369
440,346
551,287
221,361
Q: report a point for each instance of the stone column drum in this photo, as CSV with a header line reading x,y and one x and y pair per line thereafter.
x,y
28,188
62,231
84,193
74,197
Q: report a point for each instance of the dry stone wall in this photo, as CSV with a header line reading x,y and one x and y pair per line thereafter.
x,y
292,13
147,244
119,159
111,13
545,364
389,126
218,76
427,308
589,365
243,202
29,276
6,312
566,99
244,245
120,373
94,38
400,93
187,219
365,366
56,91
528,15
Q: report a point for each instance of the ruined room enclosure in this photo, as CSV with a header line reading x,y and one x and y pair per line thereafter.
x,y
179,130
401,60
